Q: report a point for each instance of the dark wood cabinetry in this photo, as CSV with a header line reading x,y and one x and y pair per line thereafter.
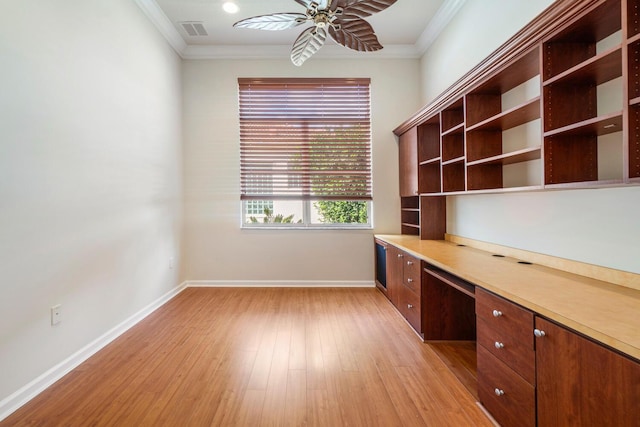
x,y
506,360
556,106
403,285
528,370
566,380
580,382
395,263
408,167
408,155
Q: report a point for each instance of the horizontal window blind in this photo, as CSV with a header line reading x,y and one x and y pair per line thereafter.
x,y
307,139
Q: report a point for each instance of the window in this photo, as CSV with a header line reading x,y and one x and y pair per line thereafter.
x,y
305,152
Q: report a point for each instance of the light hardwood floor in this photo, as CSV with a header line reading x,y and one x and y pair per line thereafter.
x,y
262,357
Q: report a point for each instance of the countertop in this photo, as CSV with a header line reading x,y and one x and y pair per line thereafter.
x,y
604,311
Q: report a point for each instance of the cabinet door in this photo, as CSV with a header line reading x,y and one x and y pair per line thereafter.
x,y
583,383
408,155
395,261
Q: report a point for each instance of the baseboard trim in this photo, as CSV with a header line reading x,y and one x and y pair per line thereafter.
x,y
280,284
13,402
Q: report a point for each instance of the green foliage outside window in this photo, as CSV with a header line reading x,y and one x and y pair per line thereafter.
x,y
270,218
342,212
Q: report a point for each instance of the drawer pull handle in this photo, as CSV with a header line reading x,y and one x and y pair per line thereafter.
x,y
400,255
410,280
409,305
499,345
539,333
498,392
497,313
409,262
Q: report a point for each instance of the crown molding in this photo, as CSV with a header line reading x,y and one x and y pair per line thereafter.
x,y
163,24
330,51
440,20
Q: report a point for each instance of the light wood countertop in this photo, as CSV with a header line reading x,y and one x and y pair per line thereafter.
x,y
603,311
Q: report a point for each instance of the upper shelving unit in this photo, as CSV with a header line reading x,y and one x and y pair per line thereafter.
x,y
557,105
579,60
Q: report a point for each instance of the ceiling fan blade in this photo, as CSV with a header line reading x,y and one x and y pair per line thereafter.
x,y
308,43
363,8
356,34
273,22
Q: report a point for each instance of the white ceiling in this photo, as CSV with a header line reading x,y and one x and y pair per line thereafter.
x,y
405,29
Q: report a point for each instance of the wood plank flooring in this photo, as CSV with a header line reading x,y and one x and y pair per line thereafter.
x,y
261,357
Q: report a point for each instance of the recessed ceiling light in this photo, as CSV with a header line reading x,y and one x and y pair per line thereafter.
x,y
230,7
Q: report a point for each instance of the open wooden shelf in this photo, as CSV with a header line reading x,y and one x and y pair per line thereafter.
x,y
430,161
511,118
575,43
596,70
597,126
519,156
452,118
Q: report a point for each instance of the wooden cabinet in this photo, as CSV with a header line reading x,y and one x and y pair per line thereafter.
x,y
506,360
404,284
395,263
408,167
408,155
580,382
529,370
409,301
567,380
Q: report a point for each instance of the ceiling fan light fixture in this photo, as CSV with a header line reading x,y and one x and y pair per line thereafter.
x,y
342,20
230,7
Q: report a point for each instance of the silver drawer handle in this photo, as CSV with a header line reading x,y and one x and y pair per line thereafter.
x,y
538,333
499,392
400,255
409,280
497,313
499,345
409,306
409,262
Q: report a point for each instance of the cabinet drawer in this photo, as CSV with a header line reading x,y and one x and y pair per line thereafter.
x,y
512,350
409,306
508,397
412,272
505,317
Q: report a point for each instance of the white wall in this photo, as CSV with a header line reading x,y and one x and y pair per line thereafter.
x,y
594,226
90,175
478,29
215,246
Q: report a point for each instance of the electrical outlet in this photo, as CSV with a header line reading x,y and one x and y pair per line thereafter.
x,y
56,314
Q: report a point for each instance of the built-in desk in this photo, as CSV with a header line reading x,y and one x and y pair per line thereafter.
x,y
602,311
553,347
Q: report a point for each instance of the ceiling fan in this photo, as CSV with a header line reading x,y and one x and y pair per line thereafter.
x,y
341,19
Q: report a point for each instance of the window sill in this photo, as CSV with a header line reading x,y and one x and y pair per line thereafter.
x,y
367,227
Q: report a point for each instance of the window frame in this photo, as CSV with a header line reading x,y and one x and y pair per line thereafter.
x,y
361,194
306,223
